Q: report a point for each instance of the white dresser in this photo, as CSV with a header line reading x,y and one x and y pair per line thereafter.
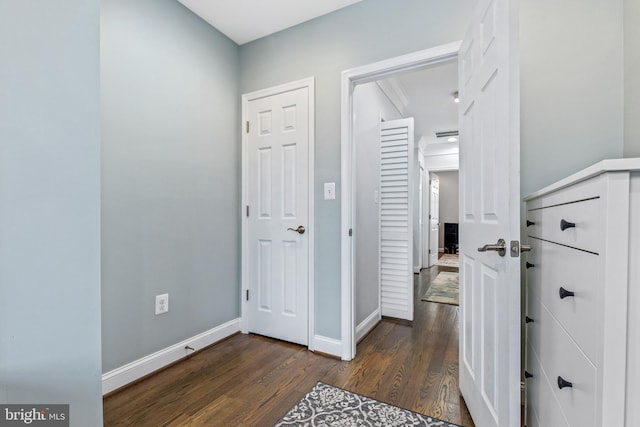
x,y
583,299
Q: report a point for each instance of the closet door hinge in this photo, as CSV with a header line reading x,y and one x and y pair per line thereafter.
x,y
247,126
247,211
247,296
350,232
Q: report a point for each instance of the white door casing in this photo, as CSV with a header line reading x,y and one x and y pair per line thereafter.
x,y
277,189
490,210
426,190
434,217
421,224
396,218
351,78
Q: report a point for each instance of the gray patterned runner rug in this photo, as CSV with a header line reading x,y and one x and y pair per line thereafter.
x,y
329,406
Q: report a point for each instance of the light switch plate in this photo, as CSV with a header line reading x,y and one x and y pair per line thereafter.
x,y
329,190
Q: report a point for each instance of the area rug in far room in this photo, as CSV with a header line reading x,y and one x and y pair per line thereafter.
x,y
448,260
444,289
330,406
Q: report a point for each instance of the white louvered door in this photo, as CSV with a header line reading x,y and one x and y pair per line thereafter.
x,y
396,218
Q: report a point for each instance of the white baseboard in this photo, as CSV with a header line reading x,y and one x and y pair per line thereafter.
x,y
327,345
137,369
367,324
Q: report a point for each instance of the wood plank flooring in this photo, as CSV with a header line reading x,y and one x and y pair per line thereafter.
x,y
248,380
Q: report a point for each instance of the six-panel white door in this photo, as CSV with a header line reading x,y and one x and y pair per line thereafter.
x,y
489,211
278,204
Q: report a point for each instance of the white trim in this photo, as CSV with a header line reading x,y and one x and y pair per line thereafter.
x,y
368,324
328,345
416,269
350,78
303,83
137,369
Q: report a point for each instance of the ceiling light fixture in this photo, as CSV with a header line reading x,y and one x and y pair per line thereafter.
x,y
456,98
453,139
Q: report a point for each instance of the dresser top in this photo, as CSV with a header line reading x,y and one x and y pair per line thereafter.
x,y
611,165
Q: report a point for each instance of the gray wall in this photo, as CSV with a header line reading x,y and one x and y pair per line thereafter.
x,y
171,177
632,78
50,206
448,201
365,32
571,87
368,103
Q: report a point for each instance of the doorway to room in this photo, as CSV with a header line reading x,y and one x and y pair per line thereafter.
x,y
384,273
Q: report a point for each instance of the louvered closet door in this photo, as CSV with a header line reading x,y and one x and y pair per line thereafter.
x,y
396,219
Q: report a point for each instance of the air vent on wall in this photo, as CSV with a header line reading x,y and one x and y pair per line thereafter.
x,y
447,134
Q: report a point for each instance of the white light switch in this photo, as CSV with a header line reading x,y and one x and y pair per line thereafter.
x,y
329,190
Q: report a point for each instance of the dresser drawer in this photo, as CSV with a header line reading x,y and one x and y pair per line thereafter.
x,y
575,272
560,357
575,224
543,409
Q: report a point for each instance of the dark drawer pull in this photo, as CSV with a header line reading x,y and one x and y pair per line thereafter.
x,y
529,265
530,223
566,224
528,319
562,383
527,375
565,293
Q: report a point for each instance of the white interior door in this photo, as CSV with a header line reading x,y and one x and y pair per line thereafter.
x,y
489,211
278,205
396,218
434,217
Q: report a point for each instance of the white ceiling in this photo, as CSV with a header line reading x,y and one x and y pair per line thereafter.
x,y
428,99
247,20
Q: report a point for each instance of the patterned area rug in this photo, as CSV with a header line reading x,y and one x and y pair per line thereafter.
x,y
448,260
443,289
329,406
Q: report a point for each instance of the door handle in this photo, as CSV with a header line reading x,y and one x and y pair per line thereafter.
x,y
500,247
299,230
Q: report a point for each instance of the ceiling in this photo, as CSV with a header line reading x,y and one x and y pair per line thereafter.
x,y
247,20
428,98
425,94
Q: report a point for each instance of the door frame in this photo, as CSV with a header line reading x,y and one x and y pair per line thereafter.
x,y
420,189
309,83
429,243
349,80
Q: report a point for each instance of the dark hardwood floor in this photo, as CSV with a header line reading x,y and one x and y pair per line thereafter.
x,y
248,380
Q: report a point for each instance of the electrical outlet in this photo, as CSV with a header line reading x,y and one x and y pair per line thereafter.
x,y
162,303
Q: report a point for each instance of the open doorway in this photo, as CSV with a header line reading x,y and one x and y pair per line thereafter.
x,y
425,94
441,237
